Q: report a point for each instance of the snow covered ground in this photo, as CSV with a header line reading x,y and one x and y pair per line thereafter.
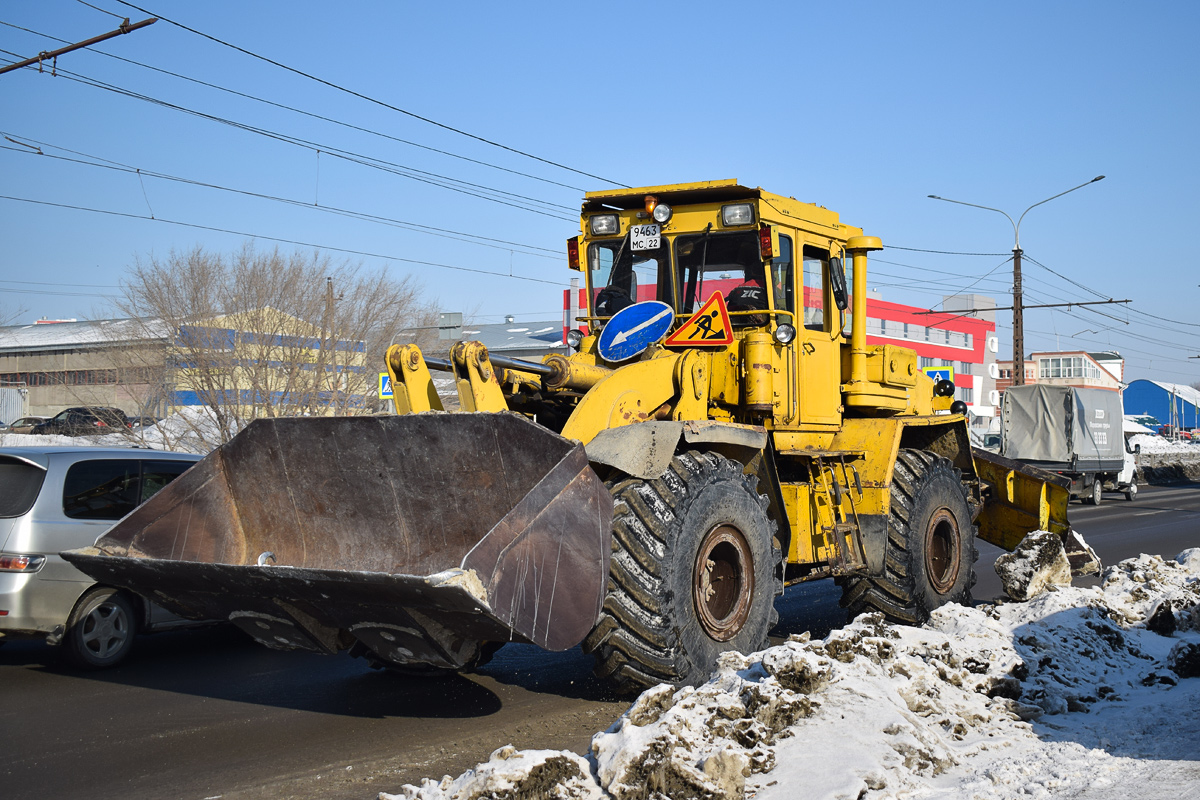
x,y
1080,693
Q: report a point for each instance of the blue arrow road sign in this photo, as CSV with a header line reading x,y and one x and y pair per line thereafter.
x,y
634,328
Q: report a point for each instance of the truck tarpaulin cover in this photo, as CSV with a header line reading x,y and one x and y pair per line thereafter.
x,y
1062,423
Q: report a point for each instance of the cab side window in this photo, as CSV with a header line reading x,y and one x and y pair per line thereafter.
x,y
816,265
782,282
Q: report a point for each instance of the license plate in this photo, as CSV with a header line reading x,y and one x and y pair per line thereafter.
x,y
645,237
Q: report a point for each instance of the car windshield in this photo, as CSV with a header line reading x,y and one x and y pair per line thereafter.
x,y
622,276
20,483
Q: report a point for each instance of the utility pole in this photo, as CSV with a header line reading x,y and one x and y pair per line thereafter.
x,y
54,54
1018,372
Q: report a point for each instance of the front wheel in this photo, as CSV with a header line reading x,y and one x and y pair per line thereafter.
x,y
100,629
930,552
695,571
1131,492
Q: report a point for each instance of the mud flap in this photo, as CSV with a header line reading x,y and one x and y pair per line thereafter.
x,y
420,536
1019,499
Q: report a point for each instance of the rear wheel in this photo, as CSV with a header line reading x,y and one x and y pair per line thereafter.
x,y
695,572
930,553
100,629
1097,492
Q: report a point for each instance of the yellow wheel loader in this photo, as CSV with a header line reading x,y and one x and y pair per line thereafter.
x,y
720,430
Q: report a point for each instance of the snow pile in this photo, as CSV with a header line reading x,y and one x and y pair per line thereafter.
x,y
1064,694
1039,561
1160,444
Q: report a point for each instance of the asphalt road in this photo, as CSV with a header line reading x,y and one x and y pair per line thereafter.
x,y
206,714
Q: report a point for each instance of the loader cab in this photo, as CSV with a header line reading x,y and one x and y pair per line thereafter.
x,y
775,262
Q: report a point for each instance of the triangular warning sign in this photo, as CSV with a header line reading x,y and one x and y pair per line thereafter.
x,y
708,326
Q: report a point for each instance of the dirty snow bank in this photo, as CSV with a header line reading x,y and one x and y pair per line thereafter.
x,y
1072,694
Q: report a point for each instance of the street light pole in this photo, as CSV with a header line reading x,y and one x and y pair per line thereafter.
x,y
1018,371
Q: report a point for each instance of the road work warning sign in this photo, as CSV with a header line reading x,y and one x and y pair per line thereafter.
x,y
709,325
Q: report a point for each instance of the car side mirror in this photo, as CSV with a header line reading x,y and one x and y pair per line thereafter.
x,y
837,281
1137,449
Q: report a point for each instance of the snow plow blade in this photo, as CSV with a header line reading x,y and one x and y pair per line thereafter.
x,y
418,537
1020,499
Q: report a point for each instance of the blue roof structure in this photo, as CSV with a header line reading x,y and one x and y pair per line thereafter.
x,y
1156,398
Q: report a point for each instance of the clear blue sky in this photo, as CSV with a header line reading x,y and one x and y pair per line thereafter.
x,y
865,108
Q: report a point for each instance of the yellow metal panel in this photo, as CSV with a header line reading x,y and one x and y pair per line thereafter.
x,y
640,388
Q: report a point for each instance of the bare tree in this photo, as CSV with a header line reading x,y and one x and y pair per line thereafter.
x,y
9,315
263,334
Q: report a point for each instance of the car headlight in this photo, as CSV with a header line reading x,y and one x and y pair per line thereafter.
x,y
737,214
785,333
661,213
574,339
604,225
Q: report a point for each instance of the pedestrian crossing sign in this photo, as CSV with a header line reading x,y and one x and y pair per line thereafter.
x,y
939,373
385,386
708,326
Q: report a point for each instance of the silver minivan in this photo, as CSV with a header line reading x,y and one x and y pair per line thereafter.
x,y
60,498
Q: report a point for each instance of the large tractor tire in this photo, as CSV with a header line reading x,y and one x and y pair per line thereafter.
x,y
930,552
695,572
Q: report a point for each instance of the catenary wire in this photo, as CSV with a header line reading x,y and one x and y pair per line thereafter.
x,y
498,244
311,114
368,98
282,240
422,176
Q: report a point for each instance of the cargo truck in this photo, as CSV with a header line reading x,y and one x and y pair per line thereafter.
x,y
1074,432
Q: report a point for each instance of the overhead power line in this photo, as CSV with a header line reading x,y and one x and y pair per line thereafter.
x,y
309,114
521,202
103,163
370,99
283,240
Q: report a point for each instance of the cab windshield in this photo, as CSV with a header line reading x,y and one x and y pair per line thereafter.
x,y
729,263
621,276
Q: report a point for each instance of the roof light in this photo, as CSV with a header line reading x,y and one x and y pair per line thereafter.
x,y
737,214
604,225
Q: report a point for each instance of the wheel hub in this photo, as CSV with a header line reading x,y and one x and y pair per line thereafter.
x,y
723,582
942,545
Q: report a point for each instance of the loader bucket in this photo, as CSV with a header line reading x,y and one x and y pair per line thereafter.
x,y
419,536
1020,499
